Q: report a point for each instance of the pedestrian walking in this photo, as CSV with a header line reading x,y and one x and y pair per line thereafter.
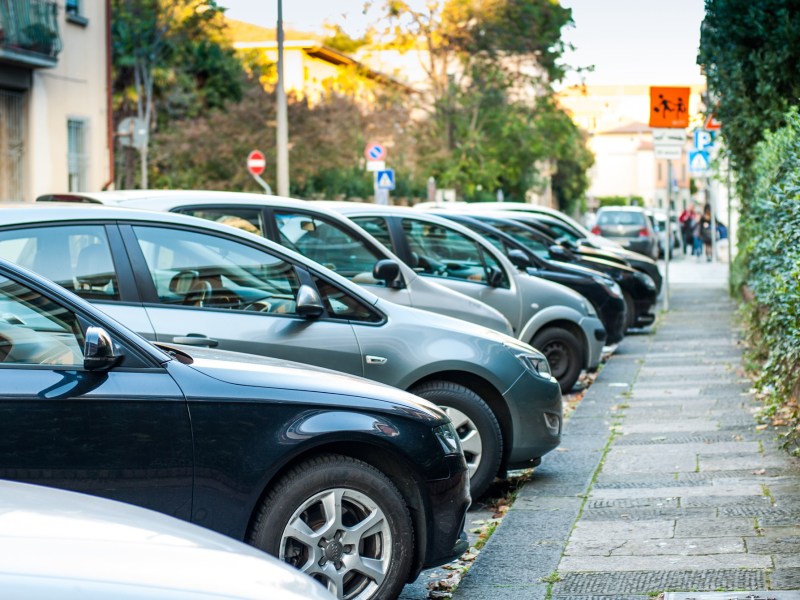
x,y
688,220
705,231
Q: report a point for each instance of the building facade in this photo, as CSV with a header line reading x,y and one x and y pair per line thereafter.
x,y
54,97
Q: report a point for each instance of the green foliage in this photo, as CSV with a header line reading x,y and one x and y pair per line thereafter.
x,y
620,201
769,261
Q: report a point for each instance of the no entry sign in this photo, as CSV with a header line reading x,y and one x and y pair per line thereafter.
x,y
375,151
256,162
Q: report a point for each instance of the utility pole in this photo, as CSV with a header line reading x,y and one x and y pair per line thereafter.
x,y
283,125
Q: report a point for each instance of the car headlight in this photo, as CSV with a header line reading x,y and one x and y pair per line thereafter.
x,y
611,286
536,363
646,280
448,438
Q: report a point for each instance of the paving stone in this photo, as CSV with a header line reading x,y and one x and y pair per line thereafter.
x,y
676,492
786,545
733,526
720,501
643,514
646,459
468,589
682,426
645,439
664,562
497,565
739,595
655,582
785,578
618,530
787,561
548,504
656,547
632,503
714,462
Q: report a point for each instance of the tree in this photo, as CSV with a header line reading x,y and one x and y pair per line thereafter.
x,y
173,50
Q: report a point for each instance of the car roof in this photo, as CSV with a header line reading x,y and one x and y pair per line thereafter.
x,y
53,212
622,209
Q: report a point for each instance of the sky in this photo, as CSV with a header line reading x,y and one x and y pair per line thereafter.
x,y
644,42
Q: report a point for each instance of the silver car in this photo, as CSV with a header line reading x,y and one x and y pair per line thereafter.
x,y
322,235
174,278
551,317
65,545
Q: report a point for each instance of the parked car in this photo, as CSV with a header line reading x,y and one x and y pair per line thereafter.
x,y
638,289
357,484
629,227
322,235
556,320
59,544
179,279
599,289
572,239
658,220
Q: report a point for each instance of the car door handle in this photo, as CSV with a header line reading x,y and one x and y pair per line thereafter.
x,y
196,339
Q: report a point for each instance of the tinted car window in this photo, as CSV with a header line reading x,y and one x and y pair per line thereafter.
x,y
36,331
377,227
250,220
196,269
443,252
341,305
326,243
76,257
519,234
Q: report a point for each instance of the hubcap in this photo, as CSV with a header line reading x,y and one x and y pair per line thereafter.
x,y
470,438
341,538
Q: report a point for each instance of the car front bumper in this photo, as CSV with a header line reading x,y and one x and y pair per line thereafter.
x,y
596,336
612,314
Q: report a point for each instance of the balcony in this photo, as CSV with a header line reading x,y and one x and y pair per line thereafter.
x,y
29,35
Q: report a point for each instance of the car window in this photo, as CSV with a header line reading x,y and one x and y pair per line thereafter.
x,y
196,269
443,252
521,235
246,219
34,330
77,257
377,227
327,243
620,217
341,305
561,231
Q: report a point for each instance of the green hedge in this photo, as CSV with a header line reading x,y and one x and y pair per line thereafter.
x,y
769,264
620,201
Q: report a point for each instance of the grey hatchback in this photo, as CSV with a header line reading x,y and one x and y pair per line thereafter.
x,y
180,279
628,226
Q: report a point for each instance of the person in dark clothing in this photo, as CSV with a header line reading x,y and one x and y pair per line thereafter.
x,y
706,230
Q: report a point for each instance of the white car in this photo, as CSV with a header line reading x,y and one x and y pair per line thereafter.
x,y
59,544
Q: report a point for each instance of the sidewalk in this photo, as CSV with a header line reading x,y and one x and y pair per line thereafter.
x,y
662,482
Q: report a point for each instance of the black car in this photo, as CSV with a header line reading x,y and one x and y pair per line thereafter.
x,y
358,484
603,292
573,239
638,289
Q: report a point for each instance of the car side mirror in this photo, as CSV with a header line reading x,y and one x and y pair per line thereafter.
x,y
494,277
567,243
98,351
559,253
387,270
519,259
309,303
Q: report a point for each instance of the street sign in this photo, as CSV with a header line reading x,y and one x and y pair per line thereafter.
x,y
699,162
712,124
256,163
375,151
376,165
384,180
703,139
669,107
669,137
667,152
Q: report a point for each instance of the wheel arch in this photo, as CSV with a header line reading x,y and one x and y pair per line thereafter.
x,y
570,326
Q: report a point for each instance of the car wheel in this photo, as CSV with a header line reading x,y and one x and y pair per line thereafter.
x,y
342,522
477,428
630,311
563,352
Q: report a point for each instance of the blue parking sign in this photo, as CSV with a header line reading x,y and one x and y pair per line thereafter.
x,y
385,179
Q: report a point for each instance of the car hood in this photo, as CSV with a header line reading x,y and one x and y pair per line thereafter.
x,y
265,372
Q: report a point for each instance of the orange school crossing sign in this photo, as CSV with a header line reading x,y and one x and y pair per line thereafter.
x,y
669,107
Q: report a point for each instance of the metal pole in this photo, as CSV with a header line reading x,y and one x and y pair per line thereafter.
x,y
730,236
283,125
713,204
668,248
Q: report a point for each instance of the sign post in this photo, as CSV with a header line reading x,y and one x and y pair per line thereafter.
x,y
256,163
669,110
375,153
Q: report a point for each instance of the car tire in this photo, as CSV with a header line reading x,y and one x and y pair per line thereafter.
x,y
563,352
310,517
477,428
630,311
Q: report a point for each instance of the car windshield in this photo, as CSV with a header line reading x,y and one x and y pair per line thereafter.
x,y
620,217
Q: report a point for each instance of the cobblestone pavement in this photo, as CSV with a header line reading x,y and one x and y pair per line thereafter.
x,y
662,482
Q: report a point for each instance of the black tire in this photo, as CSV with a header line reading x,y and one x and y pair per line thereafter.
x,y
630,311
477,428
361,490
563,352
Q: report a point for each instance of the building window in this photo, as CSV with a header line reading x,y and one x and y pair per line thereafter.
x,y
74,10
77,159
12,145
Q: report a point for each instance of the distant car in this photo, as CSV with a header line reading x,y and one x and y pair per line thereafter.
x,y
629,226
322,235
59,544
179,279
551,317
358,484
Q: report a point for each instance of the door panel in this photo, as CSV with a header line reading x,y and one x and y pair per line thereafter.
x,y
239,297
123,434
